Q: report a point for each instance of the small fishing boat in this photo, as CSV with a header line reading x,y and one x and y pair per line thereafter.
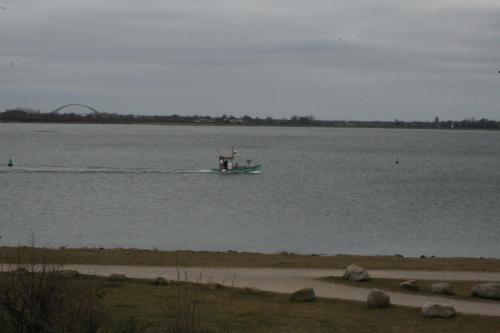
x,y
228,165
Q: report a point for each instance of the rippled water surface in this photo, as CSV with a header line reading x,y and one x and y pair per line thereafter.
x,y
320,191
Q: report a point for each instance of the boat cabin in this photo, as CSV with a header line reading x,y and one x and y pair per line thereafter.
x,y
227,162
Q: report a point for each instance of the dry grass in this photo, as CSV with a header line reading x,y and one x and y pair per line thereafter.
x,y
44,299
38,297
234,259
240,311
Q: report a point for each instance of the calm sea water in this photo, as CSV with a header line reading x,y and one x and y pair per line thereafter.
x,y
321,190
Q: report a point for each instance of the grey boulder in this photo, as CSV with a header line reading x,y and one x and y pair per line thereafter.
x,y
489,290
356,273
435,310
303,295
378,299
160,281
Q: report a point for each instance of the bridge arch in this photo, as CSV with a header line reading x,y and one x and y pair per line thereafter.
x,y
94,111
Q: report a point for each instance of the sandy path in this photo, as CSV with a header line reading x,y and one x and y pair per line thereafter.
x,y
283,280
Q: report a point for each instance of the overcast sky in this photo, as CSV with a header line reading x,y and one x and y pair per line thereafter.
x,y
358,60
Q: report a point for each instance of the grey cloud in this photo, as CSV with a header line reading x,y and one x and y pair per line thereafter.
x,y
334,59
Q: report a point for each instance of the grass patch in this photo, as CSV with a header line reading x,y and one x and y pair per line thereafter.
x,y
131,305
239,259
237,310
462,289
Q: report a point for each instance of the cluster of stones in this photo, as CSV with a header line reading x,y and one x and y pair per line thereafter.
x,y
376,298
379,299
433,310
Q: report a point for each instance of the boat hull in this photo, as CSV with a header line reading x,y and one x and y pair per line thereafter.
x,y
255,169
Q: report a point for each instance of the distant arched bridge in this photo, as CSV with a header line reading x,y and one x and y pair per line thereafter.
x,y
94,111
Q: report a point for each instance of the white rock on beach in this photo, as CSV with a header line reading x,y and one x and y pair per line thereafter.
x,y
356,273
435,310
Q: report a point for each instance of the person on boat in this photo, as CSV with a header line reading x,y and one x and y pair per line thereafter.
x,y
225,165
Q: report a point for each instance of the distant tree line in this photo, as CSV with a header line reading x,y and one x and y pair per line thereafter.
x,y
27,115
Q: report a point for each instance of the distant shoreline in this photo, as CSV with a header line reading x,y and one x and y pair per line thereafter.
x,y
35,116
101,256
250,125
